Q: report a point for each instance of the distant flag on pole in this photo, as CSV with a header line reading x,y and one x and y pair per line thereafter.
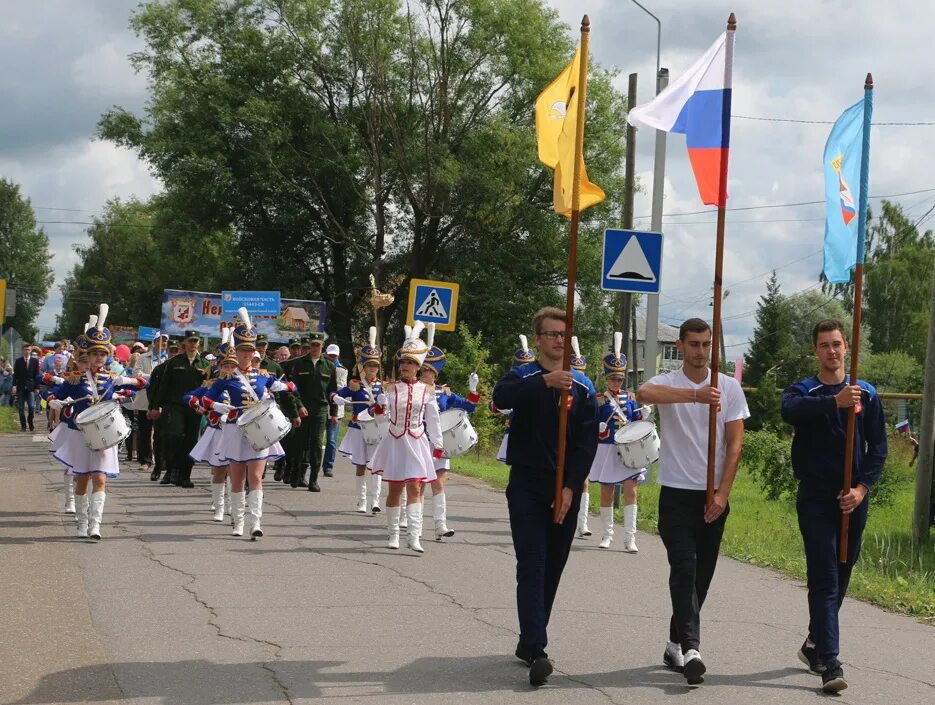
x,y
698,105
903,426
556,124
843,153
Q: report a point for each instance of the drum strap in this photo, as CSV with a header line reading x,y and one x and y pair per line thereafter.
x,y
246,383
617,409
92,385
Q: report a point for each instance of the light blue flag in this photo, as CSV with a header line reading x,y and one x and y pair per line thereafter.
x,y
846,163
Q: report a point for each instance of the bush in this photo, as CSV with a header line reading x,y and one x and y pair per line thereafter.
x,y
769,460
468,355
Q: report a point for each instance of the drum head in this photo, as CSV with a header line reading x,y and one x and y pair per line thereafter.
x,y
452,418
364,416
636,431
253,412
95,412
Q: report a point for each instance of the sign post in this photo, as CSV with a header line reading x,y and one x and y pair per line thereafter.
x,y
433,302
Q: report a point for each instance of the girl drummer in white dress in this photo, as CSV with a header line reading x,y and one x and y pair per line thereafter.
x,y
616,409
521,356
405,456
446,399
243,386
76,394
361,395
208,448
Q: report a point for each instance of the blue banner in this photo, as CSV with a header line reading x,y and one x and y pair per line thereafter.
x,y
203,311
146,333
257,303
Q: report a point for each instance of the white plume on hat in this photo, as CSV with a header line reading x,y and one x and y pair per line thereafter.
x,y
574,345
430,337
102,316
413,348
373,336
618,342
524,343
244,317
92,320
226,335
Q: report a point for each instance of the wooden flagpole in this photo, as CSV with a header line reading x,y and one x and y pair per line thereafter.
x,y
718,281
572,266
858,305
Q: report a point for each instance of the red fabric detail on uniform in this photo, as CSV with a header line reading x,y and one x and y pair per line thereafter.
x,y
140,382
377,409
47,378
604,435
232,415
437,453
473,397
193,402
67,412
290,386
206,402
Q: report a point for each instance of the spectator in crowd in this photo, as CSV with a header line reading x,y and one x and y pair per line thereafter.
x,y
25,371
333,353
6,383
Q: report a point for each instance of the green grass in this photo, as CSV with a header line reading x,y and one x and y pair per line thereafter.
x,y
891,572
9,421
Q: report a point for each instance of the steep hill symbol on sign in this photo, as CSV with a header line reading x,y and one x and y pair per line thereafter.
x,y
432,307
632,264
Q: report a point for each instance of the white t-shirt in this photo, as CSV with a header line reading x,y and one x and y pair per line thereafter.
x,y
683,444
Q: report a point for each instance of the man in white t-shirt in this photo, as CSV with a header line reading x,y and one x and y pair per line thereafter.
x,y
690,530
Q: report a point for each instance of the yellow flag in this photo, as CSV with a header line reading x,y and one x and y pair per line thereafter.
x,y
556,122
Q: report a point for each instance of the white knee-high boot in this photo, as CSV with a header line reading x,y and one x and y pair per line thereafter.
x,y
607,520
256,513
629,529
373,497
95,514
583,508
227,493
392,526
403,514
217,500
81,515
414,530
362,494
440,514
69,494
238,502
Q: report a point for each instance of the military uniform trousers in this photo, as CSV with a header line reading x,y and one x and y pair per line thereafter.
x,y
181,435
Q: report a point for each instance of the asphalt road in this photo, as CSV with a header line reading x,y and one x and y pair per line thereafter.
x,y
169,609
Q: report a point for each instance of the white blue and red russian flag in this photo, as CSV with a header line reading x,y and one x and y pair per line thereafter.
x,y
903,426
698,105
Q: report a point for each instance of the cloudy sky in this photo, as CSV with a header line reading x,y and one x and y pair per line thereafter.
x,y
66,63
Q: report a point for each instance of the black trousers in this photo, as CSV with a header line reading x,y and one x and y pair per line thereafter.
x,y
541,548
820,524
692,548
181,433
144,438
159,440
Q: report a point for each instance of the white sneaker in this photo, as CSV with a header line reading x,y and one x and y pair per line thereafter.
x,y
672,658
629,543
694,668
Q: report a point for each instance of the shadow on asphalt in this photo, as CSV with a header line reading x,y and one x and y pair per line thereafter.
x,y
200,682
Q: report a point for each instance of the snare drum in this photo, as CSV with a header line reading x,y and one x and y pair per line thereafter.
x,y
263,424
372,428
637,444
102,425
458,435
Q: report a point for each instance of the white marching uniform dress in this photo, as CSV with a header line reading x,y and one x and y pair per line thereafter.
x,y
405,453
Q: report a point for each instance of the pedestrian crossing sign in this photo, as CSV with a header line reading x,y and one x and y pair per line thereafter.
x,y
632,261
433,302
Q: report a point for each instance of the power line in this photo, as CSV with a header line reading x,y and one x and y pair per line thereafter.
x,y
783,205
828,122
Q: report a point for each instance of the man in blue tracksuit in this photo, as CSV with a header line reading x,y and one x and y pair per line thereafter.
x,y
533,391
818,408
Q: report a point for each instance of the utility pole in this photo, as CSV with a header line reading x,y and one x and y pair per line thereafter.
x,y
923,501
659,179
625,300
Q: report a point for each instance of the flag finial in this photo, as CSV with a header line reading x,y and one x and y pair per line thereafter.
x,y
868,83
585,24
731,22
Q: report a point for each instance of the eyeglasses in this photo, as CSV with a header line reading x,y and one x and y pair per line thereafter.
x,y
553,334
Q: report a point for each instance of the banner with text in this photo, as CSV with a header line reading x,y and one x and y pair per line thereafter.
x,y
203,311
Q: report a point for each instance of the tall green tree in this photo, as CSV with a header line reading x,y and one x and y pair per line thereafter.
x,y
135,249
26,258
347,138
764,363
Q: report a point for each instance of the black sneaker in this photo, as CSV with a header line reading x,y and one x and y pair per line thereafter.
x,y
540,670
694,668
832,680
809,656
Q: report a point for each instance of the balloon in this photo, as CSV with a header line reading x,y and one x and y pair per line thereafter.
x,y
122,353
